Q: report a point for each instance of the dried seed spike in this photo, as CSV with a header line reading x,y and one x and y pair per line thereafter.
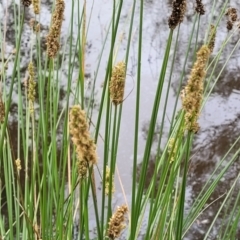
x,y
85,146
55,30
36,6
116,223
26,3
178,12
117,83
212,36
200,8
232,13
193,92
229,25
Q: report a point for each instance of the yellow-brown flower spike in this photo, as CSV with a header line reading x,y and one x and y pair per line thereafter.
x,y
85,146
117,83
36,6
178,12
26,3
172,148
107,181
193,92
35,25
31,87
116,223
200,8
18,164
55,30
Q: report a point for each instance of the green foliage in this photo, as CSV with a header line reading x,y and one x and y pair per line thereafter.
x,y
42,195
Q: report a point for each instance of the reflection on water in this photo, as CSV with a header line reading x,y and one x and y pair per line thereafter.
x,y
216,134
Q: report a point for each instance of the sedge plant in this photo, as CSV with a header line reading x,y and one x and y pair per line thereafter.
x,y
56,148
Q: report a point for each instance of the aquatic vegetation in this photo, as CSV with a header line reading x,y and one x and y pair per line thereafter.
x,y
67,163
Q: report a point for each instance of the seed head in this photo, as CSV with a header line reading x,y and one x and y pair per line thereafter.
x,y
36,6
55,30
178,12
200,8
18,164
229,25
232,14
116,223
31,87
232,17
212,38
193,92
26,3
85,146
107,181
117,83
172,148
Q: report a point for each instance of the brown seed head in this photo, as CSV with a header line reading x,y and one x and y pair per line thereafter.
x,y
117,83
55,30
200,8
232,14
26,3
178,12
85,146
193,92
212,38
229,25
116,223
232,17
